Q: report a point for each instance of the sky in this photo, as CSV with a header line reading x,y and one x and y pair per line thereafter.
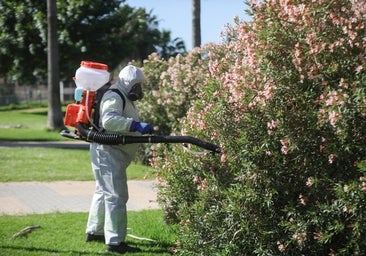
x,y
176,16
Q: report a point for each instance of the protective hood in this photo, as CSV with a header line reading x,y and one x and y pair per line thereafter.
x,y
129,76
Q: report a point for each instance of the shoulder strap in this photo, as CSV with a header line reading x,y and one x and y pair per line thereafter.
x,y
120,94
96,105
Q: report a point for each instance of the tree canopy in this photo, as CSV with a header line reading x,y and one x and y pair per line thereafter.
x,y
108,31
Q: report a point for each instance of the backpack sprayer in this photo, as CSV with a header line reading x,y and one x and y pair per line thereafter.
x,y
90,77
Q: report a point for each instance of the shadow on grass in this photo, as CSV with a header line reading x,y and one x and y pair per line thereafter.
x,y
154,247
147,249
17,250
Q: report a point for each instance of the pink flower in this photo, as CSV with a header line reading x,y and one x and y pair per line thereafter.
x,y
309,182
281,247
331,158
271,126
203,185
363,186
223,158
333,117
300,237
346,208
303,199
196,180
317,235
359,69
284,148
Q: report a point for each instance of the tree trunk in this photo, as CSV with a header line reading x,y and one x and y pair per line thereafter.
x,y
55,118
196,23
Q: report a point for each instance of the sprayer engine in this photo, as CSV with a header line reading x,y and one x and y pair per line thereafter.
x,y
80,112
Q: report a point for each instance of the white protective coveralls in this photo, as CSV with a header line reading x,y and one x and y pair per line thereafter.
x,y
108,213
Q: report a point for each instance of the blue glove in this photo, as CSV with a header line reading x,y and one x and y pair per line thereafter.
x,y
143,128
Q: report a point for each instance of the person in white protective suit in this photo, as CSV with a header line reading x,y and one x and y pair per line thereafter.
x,y
107,220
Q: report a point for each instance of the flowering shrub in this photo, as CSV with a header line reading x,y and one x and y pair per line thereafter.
x,y
285,97
172,86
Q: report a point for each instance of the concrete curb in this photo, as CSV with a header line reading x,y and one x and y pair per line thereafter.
x,y
47,144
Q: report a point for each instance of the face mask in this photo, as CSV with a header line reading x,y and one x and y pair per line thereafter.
x,y
136,92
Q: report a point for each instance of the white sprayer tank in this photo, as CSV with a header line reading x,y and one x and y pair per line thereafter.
x,y
91,75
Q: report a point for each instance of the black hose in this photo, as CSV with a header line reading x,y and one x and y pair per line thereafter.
x,y
116,139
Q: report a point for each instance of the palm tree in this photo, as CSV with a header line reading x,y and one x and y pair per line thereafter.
x,y
55,118
196,23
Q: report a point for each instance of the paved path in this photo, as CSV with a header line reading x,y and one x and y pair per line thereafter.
x,y
20,198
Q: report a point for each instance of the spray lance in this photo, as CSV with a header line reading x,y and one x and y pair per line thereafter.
x,y
90,77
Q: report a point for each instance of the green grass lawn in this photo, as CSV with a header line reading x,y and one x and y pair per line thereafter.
x,y
54,164
64,234
26,125
44,164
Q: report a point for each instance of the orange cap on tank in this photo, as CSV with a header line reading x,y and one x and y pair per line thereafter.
x,y
95,65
